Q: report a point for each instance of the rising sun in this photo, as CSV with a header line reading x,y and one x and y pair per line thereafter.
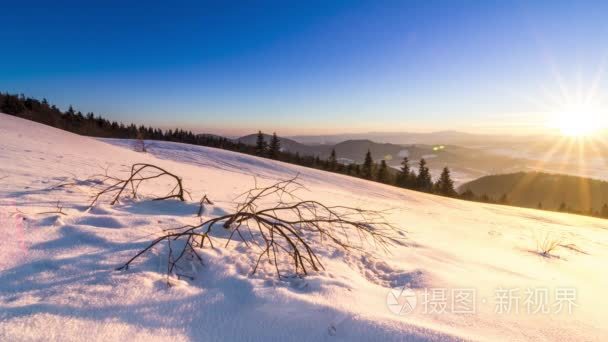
x,y
578,121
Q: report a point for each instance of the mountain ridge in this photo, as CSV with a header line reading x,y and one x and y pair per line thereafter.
x,y
547,190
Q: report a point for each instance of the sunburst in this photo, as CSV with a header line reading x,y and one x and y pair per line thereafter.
x,y
578,120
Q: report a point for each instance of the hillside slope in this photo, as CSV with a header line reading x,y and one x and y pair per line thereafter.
x,y
58,278
530,189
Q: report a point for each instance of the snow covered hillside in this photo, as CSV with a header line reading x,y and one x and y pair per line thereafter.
x,y
472,271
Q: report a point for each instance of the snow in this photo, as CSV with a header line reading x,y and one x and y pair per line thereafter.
x,y
58,279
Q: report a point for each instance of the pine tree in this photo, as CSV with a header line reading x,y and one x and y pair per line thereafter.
x,y
540,205
261,146
604,212
562,207
12,105
325,165
383,175
445,184
424,181
503,199
349,169
332,161
468,195
340,168
404,178
317,161
368,165
275,147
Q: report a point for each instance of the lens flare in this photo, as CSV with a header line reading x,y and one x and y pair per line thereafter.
x,y
578,121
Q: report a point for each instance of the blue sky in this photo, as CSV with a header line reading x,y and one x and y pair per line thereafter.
x,y
308,67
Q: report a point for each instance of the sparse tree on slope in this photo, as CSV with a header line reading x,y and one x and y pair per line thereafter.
x,y
261,146
383,175
333,160
275,147
445,184
70,111
368,165
424,181
317,162
405,173
468,195
605,210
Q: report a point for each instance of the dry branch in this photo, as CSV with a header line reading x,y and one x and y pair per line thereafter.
x,y
58,210
139,173
547,243
283,233
202,202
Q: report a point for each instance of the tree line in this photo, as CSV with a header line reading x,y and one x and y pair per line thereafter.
x,y
90,124
369,170
405,177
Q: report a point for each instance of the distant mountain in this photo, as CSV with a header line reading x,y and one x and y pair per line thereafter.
x,y
348,151
466,163
496,155
528,189
406,138
210,135
289,145
355,150
556,151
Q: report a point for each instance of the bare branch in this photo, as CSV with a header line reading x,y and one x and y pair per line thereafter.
x,y
284,231
203,201
139,173
58,210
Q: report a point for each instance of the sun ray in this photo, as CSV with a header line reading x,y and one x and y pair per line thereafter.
x,y
564,164
550,153
522,185
597,80
584,186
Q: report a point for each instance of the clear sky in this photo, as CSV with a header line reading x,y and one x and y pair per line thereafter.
x,y
309,67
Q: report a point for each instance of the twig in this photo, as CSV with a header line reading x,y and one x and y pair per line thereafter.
x,y
59,210
203,201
